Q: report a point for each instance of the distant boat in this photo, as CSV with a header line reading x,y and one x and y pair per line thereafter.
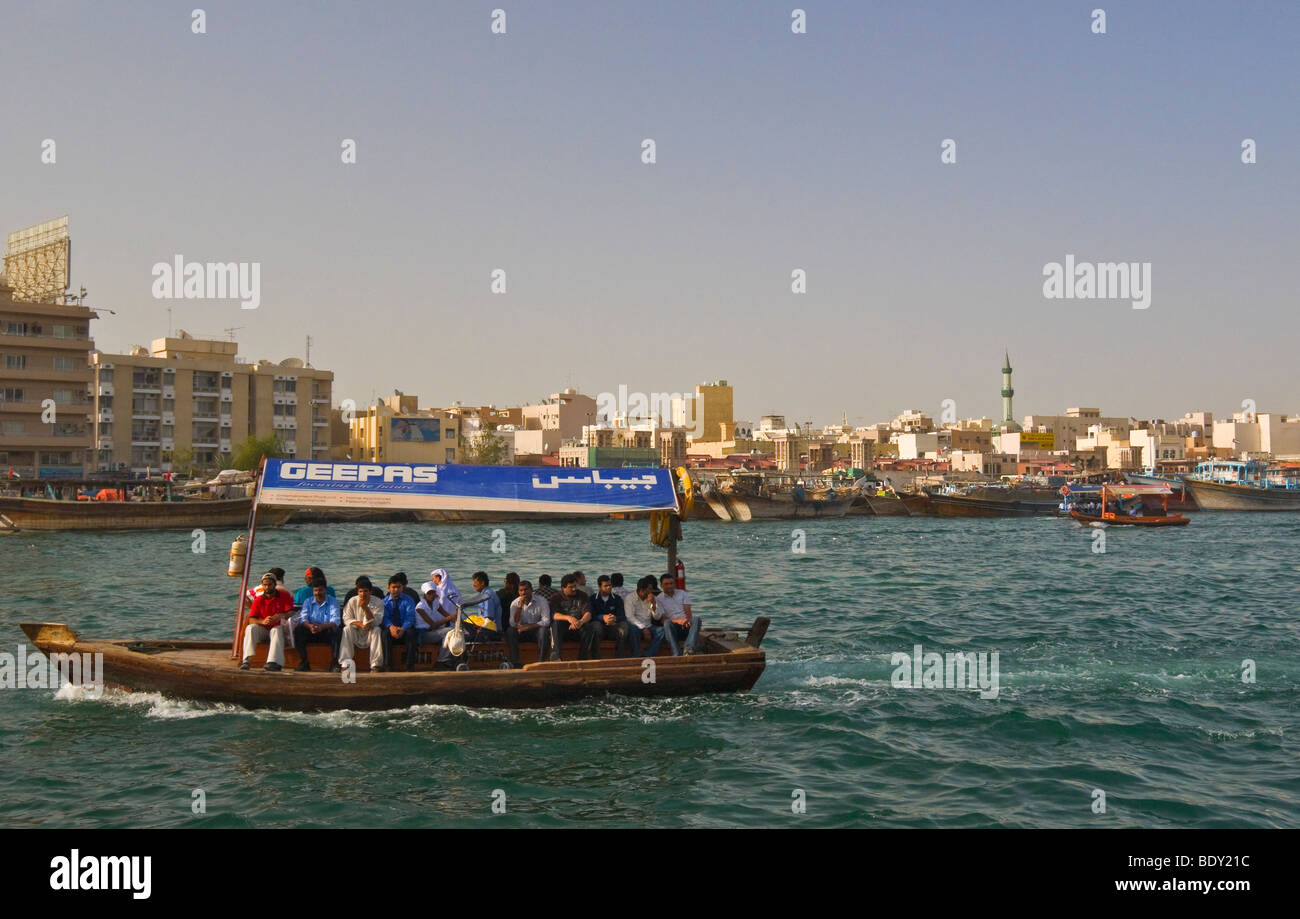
x,y
50,514
1245,485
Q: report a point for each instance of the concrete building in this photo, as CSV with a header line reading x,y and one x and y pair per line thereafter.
x,y
397,430
1262,433
45,383
1155,446
862,453
186,395
911,419
917,445
704,413
608,457
547,425
1068,428
989,464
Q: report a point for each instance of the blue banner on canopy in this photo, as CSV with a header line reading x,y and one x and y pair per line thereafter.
x,y
429,486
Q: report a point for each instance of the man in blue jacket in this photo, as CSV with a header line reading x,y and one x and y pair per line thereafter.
x,y
399,622
609,617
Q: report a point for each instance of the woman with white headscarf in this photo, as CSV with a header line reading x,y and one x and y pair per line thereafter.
x,y
448,594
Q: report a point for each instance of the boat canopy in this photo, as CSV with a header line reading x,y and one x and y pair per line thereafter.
x,y
1124,490
428,486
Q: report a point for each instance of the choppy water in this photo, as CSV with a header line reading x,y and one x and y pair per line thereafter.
x,y
1119,671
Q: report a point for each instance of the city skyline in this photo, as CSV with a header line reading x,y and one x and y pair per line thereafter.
x,y
775,151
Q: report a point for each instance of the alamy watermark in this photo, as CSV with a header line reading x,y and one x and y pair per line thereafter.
x,y
182,280
677,409
1098,281
36,671
955,670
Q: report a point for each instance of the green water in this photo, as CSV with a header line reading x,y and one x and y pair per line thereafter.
x,y
1119,672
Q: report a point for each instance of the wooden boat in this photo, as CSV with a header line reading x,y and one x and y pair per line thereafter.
x,y
1181,499
775,496
919,504
51,514
1235,485
209,671
886,504
970,506
1113,496
204,671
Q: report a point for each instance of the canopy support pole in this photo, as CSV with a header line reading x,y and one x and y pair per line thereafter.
x,y
248,564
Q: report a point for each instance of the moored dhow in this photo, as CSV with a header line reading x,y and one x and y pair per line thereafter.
x,y
1239,485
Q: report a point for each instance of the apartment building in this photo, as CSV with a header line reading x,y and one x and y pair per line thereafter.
x,y
186,395
45,382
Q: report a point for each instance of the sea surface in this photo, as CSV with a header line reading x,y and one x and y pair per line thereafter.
x,y
1120,682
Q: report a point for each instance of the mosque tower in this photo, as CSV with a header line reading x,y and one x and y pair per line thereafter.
x,y
1008,420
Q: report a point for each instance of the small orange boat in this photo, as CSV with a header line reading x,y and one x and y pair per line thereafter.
x,y
1120,493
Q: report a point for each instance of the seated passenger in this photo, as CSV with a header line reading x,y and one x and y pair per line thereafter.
x,y
571,618
432,623
363,623
319,621
617,588
266,622
488,611
544,588
608,618
399,624
407,588
256,590
679,623
530,617
302,593
508,594
644,616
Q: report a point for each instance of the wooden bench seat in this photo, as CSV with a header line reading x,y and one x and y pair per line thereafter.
x,y
488,655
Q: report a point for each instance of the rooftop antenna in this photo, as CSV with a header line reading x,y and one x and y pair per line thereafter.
x,y
230,331
308,360
169,322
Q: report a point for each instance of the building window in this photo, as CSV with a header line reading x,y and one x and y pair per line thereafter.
x,y
106,374
64,331
16,328
62,396
11,394
15,362
65,363
13,427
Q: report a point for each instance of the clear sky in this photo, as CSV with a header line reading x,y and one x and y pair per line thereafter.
x,y
775,151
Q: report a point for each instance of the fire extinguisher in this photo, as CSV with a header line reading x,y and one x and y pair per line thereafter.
x,y
681,575
238,552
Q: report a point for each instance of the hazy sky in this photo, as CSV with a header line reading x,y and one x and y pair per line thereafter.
x,y
775,151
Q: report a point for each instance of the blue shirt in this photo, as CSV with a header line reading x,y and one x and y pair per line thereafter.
x,y
491,609
404,613
319,613
305,591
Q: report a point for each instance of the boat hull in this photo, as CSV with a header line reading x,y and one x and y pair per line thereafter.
x,y
1123,520
47,514
205,672
783,507
1213,496
961,506
890,506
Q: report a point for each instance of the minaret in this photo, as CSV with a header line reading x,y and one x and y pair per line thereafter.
x,y
1008,420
